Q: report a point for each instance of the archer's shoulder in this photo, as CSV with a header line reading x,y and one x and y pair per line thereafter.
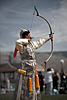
x,y
22,40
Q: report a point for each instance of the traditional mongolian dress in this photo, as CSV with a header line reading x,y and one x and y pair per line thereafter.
x,y
27,53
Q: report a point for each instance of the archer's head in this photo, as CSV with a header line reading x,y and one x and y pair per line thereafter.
x,y
24,33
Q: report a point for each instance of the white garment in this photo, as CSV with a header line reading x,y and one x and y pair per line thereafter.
x,y
48,76
36,44
49,88
49,81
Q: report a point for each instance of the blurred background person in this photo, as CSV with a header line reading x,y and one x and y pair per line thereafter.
x,y
49,80
63,84
41,81
55,80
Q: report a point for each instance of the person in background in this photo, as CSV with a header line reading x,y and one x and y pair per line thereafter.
x,y
58,80
41,81
55,80
63,75
49,80
63,83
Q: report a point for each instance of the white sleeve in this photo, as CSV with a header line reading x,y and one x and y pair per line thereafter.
x,y
20,44
52,70
22,41
39,43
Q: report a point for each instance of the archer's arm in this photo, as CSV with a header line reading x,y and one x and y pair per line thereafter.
x,y
39,43
20,44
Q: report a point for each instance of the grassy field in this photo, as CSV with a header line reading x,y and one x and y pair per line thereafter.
x,y
9,96
54,97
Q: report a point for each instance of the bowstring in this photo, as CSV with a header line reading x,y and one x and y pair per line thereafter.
x,y
32,19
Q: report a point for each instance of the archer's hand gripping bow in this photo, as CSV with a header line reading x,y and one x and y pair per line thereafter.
x,y
50,34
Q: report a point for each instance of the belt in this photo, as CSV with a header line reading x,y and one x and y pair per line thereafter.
x,y
23,72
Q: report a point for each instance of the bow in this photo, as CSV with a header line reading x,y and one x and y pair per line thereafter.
x,y
50,34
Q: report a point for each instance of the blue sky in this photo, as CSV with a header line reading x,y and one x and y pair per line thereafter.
x,y
17,14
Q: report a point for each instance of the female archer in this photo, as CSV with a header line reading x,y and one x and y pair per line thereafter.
x,y
26,48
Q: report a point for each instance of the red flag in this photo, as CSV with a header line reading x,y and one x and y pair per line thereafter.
x,y
15,52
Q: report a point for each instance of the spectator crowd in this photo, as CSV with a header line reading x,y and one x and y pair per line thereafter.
x,y
55,82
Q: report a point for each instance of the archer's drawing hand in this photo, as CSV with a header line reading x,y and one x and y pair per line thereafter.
x,y
29,40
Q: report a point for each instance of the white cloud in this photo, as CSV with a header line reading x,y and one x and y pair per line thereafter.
x,y
5,47
59,24
15,34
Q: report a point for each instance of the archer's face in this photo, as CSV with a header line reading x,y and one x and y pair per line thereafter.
x,y
28,36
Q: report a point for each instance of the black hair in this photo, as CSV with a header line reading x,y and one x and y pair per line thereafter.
x,y
24,33
49,69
